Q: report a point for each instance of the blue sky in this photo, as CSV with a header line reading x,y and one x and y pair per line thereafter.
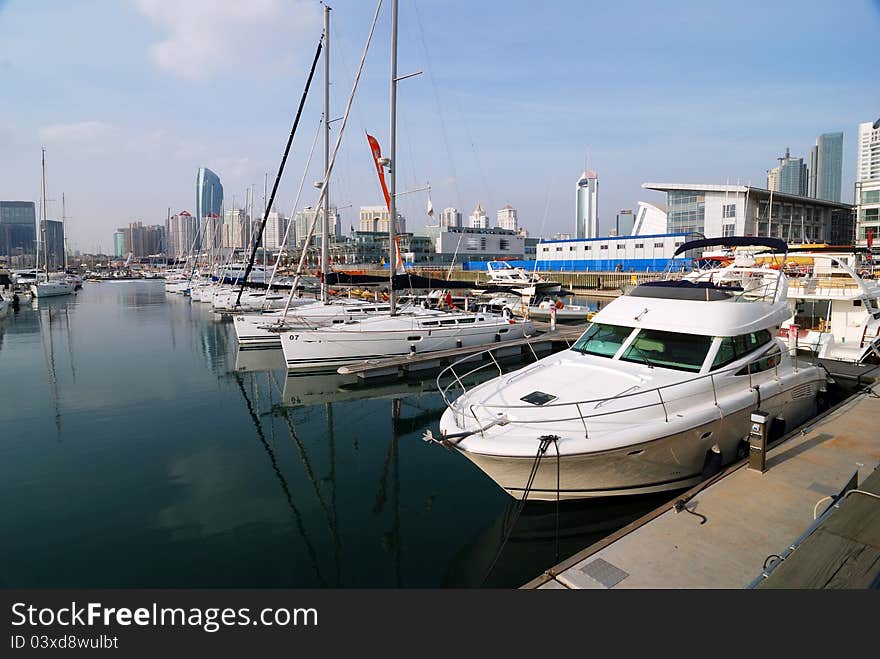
x,y
130,97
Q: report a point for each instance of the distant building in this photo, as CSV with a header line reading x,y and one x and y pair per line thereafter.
x,y
738,210
868,184
303,220
650,219
507,218
478,219
587,205
139,241
450,217
181,232
561,236
648,253
236,229
625,222
789,177
209,204
273,232
51,245
826,167
18,232
478,244
377,219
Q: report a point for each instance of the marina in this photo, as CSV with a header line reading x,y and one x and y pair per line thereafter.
x,y
318,371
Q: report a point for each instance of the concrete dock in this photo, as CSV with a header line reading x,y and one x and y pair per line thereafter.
x,y
736,526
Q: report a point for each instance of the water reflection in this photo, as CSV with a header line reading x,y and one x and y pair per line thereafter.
x,y
187,463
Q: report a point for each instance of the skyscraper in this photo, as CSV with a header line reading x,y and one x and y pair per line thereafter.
x,y
18,229
236,229
625,222
826,167
588,205
276,227
789,176
303,220
507,218
868,184
180,234
478,219
209,202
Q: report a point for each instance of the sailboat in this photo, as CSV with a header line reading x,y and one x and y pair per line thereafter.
x,y
421,330
55,287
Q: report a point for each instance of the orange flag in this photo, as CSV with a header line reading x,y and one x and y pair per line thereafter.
x,y
377,153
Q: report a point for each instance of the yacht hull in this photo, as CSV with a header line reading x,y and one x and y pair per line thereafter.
x,y
660,463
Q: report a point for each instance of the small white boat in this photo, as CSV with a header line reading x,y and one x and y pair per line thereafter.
x,y
5,307
661,384
564,312
526,284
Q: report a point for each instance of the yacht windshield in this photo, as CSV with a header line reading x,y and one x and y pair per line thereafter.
x,y
682,352
602,340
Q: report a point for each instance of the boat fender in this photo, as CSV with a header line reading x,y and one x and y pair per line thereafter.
x,y
560,304
712,462
506,313
757,389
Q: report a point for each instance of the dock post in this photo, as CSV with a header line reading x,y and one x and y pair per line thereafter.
x,y
758,441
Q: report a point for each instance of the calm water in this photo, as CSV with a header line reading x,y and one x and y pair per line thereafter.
x,y
139,449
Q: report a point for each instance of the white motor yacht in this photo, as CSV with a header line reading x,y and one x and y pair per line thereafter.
x,y
663,380
837,313
53,288
527,284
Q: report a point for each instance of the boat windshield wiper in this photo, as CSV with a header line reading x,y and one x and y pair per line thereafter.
x,y
642,354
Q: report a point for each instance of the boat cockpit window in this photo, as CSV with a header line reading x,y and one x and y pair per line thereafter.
x,y
736,347
602,340
769,360
681,352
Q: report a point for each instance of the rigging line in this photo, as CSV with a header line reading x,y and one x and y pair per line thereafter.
x,y
332,162
271,199
295,205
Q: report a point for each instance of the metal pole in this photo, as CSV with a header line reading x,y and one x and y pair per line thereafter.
x,y
325,226
392,188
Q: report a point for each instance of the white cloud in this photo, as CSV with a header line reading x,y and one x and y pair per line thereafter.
x,y
206,37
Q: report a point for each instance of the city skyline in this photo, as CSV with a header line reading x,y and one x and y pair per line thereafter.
x,y
127,122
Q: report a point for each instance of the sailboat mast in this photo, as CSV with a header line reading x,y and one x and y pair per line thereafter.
x,y
325,225
40,222
63,232
392,153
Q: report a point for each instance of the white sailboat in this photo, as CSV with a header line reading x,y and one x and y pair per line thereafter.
x,y
663,381
47,287
422,330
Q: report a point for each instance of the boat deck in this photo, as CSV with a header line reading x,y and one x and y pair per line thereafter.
x,y
751,517
543,341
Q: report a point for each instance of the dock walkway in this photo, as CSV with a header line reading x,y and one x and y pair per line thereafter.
x,y
750,517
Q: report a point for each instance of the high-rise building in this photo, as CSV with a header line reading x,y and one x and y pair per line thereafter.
x,y
180,231
478,219
209,202
625,222
51,245
18,231
376,218
587,205
276,227
507,218
236,229
303,221
450,217
789,176
825,172
868,183
119,243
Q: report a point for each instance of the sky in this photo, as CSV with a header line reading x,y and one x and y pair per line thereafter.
x,y
131,97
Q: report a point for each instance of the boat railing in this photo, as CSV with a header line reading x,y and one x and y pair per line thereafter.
x,y
761,369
